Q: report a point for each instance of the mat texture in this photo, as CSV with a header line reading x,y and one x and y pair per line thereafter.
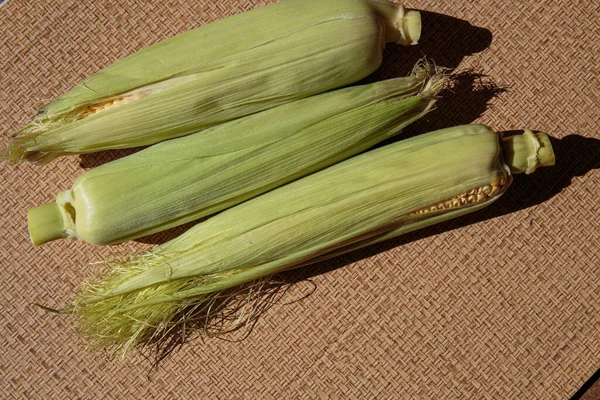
x,y
503,304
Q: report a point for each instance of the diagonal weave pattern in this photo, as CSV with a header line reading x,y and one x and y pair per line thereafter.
x,y
500,304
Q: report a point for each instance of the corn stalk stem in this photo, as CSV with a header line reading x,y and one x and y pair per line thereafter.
x,y
402,26
524,153
46,223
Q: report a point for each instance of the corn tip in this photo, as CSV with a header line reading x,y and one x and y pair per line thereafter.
x,y
435,78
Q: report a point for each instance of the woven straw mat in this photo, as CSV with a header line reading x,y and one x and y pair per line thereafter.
x,y
502,304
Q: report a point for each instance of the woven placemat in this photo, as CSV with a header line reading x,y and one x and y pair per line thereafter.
x,y
503,304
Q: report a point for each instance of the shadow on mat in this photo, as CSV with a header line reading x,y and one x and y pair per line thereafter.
x,y
93,160
586,387
445,41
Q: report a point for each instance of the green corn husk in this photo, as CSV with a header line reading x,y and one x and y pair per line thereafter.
x,y
218,72
371,197
184,179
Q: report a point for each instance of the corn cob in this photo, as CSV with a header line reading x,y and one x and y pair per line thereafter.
x,y
371,197
224,70
187,178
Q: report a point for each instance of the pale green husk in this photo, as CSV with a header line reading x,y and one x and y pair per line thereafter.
x,y
218,72
361,201
184,179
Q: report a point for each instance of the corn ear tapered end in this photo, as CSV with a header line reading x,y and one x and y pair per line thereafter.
x,y
18,148
435,78
14,152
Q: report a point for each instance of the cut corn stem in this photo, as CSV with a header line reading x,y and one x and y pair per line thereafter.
x,y
526,152
49,223
372,197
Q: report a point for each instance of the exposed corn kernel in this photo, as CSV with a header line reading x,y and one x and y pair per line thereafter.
x,y
109,104
473,196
